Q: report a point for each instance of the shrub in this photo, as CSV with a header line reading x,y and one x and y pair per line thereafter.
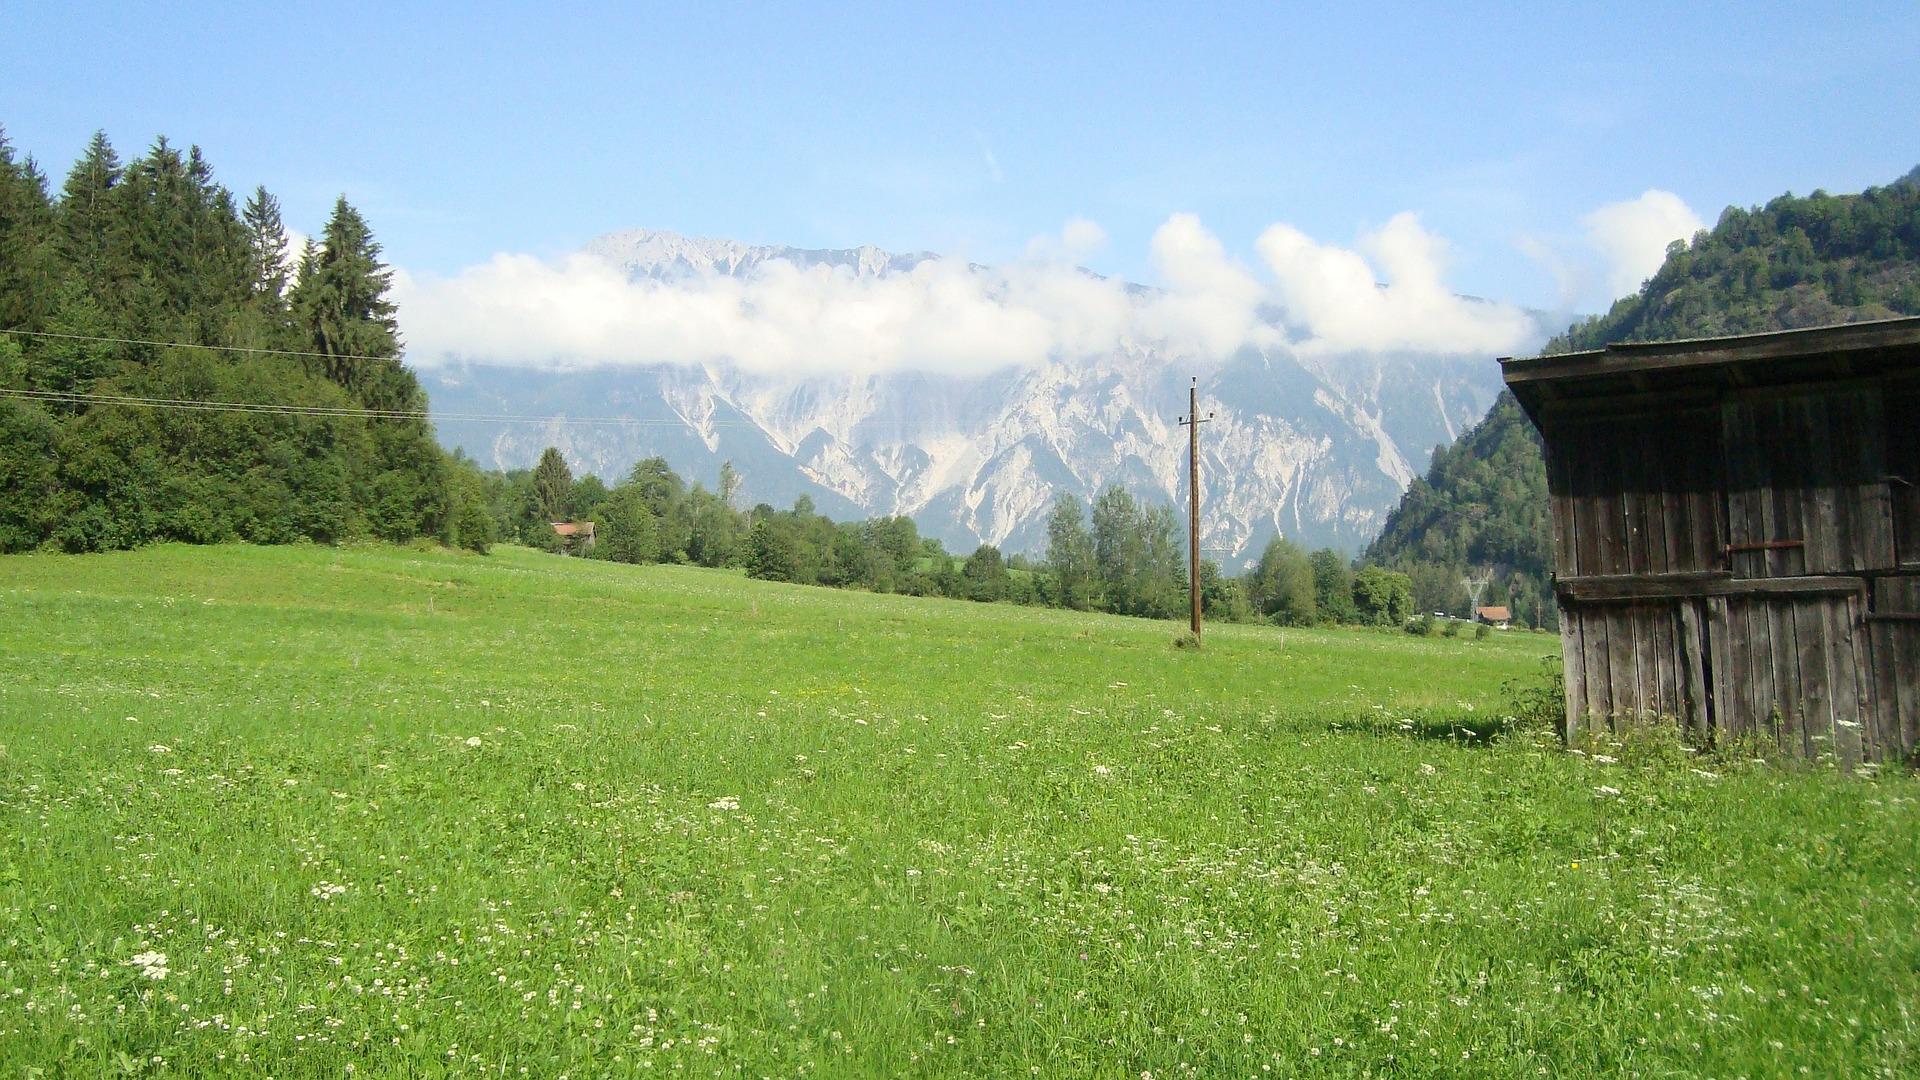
x,y
1539,702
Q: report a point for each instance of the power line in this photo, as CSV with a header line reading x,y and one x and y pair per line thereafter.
x,y
77,398
267,408
191,345
73,398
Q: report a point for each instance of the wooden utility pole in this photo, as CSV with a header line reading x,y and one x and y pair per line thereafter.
x,y
1192,422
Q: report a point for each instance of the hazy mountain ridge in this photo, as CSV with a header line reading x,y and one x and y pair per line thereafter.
x,y
1316,449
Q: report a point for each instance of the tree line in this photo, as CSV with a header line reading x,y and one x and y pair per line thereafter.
x,y
1116,555
127,254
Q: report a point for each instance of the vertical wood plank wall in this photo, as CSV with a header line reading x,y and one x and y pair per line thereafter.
x,y
1895,718
1791,480
1708,505
1903,468
1638,495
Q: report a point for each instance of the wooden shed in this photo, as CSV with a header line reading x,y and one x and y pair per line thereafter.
x,y
1736,529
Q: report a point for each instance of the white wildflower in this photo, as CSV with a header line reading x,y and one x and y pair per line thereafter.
x,y
474,741
1103,770
724,802
151,964
1605,790
156,748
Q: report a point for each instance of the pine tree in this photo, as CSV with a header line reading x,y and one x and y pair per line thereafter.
x,y
552,484
341,307
26,242
89,215
267,248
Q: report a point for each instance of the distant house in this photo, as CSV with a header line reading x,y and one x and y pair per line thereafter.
x,y
1496,616
577,536
1736,527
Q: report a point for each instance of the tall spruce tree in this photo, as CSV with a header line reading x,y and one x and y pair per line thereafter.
x,y
266,248
89,216
553,485
184,249
340,304
26,242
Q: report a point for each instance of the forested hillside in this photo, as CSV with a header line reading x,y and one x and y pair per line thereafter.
x,y
129,255
1795,262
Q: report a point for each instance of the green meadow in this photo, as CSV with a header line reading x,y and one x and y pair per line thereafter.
x,y
308,811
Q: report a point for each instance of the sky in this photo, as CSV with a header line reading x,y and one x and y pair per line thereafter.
x,y
1278,155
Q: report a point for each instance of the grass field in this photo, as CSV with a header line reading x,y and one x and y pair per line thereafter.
x,y
370,812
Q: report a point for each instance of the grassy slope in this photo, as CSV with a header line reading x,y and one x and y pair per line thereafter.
x,y
969,841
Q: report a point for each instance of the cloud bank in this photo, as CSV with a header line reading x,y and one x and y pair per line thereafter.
x,y
1385,294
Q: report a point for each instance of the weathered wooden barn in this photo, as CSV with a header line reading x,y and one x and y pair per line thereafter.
x,y
1736,526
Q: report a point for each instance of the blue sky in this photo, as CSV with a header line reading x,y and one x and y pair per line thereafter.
x,y
467,130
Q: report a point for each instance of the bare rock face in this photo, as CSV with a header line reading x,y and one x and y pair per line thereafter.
x,y
1317,449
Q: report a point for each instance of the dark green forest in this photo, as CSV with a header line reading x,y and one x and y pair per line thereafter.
x,y
1795,262
128,254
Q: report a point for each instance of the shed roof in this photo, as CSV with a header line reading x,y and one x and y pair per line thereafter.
x,y
1494,613
1676,374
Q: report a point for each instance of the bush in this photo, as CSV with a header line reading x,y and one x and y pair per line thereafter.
x,y
1451,628
1186,639
1541,702
1482,632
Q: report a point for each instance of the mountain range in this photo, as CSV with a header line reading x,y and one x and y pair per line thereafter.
x,y
1317,448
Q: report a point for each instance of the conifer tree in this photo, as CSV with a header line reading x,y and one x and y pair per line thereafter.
x,y
340,303
179,246
88,214
26,242
552,484
267,248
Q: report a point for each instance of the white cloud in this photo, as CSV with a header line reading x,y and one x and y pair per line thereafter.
x,y
1081,237
1398,301
1210,304
948,315
942,315
1632,236
1076,240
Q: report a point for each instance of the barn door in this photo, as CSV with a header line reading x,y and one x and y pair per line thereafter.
x,y
1807,484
